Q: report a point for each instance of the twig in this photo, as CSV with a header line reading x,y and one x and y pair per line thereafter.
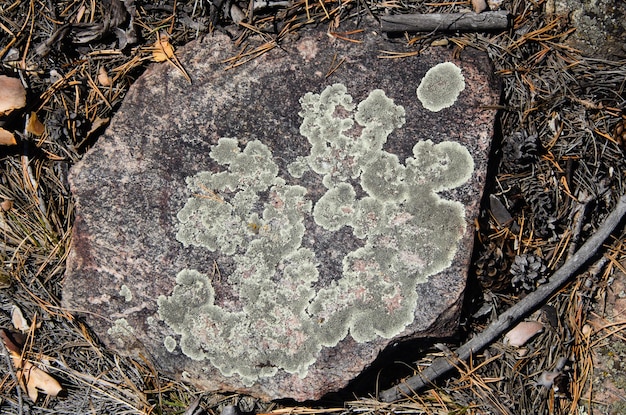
x,y
578,218
442,365
18,391
445,22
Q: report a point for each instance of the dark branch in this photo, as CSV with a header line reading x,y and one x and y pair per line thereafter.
x,y
446,22
442,365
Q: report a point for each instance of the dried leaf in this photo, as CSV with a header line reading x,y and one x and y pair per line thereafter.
x,y
35,380
13,341
479,5
524,331
35,126
162,49
19,321
103,77
31,378
96,125
7,138
440,42
6,205
12,94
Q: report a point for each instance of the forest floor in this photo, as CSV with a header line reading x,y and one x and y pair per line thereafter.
x,y
558,169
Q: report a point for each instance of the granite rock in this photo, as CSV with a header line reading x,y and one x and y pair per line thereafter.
x,y
270,228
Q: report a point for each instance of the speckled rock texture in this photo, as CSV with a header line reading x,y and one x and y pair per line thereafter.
x,y
599,26
270,228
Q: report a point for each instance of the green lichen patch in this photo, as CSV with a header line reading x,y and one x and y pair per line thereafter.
x,y
121,331
170,343
408,232
441,86
126,293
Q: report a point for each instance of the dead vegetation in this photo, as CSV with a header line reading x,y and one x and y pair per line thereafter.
x,y
558,171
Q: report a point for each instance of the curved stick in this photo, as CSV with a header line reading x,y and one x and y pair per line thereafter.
x,y
442,365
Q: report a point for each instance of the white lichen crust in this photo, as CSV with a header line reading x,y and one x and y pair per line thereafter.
x,y
441,86
408,233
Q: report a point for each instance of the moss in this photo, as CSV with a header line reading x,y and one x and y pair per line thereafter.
x,y
408,234
441,86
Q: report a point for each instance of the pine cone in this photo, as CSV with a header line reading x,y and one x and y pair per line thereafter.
x,y
539,198
490,269
520,150
528,272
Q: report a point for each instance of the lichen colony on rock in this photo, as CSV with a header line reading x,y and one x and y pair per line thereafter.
x,y
408,234
441,86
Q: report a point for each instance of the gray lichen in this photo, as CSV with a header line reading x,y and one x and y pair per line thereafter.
x,y
121,331
170,343
409,233
126,293
441,86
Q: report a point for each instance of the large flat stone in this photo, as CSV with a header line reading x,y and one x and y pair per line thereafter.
x,y
271,228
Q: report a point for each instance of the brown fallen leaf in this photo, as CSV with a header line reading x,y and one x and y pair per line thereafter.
x,y
103,77
35,380
96,125
6,205
524,331
31,378
7,138
162,50
12,94
35,126
479,6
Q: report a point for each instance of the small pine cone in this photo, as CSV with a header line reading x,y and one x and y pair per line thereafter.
x,y
528,272
520,150
491,270
619,133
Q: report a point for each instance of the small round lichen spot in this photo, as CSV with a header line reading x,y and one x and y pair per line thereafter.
x,y
126,293
441,86
169,343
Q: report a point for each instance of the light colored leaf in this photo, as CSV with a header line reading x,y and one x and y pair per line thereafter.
x,y
479,6
12,94
162,49
7,138
6,205
35,126
19,321
103,77
524,331
35,380
31,378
